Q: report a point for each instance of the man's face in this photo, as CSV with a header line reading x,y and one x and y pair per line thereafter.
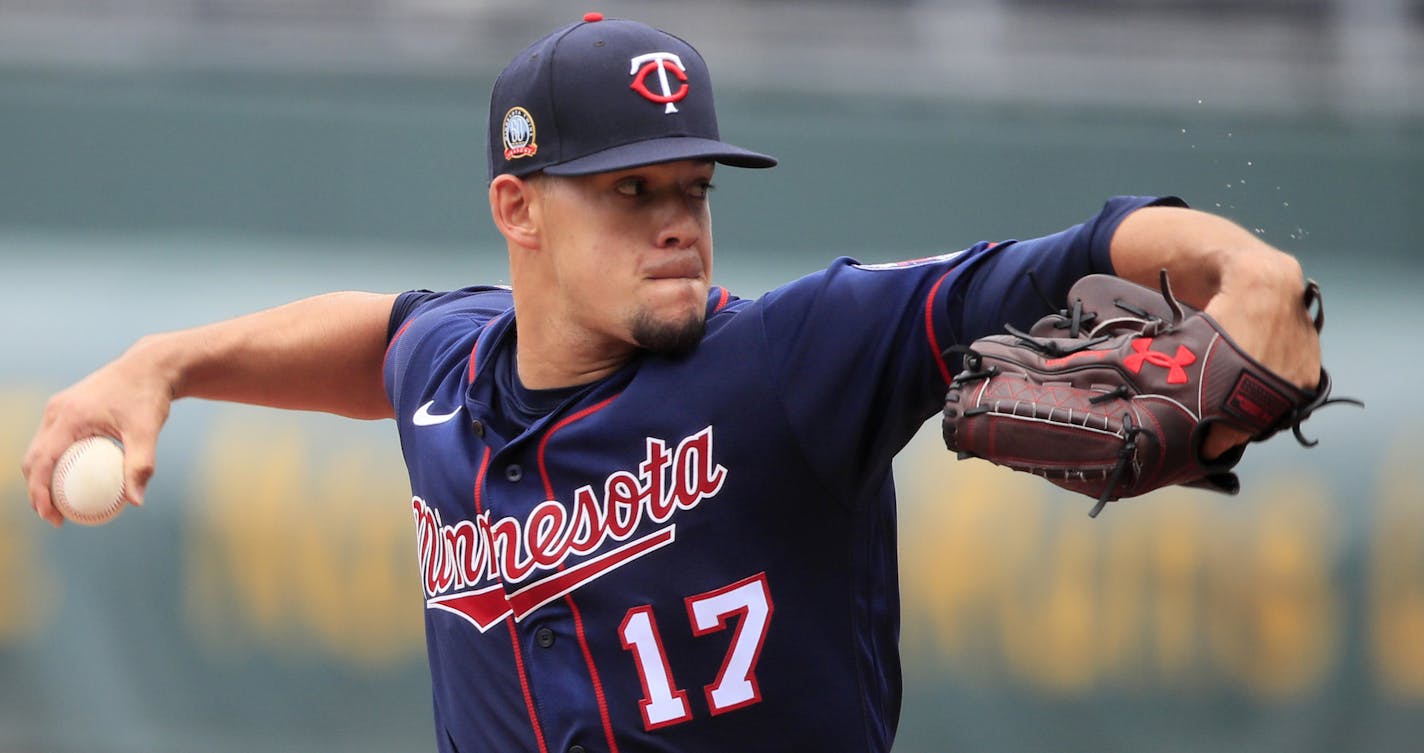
x,y
632,252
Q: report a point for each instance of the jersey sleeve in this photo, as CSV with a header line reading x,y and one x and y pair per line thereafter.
x,y
431,333
1003,291
858,352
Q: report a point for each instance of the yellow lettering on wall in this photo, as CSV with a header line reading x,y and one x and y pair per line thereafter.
x,y
968,528
1006,577
300,541
1124,589
1049,620
1149,593
28,593
1396,585
1274,623
1174,561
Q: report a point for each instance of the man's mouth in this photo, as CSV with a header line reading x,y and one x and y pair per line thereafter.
x,y
684,267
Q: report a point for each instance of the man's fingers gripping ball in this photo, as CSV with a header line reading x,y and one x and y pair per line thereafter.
x,y
88,482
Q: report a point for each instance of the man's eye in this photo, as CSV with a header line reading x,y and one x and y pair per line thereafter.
x,y
701,190
630,187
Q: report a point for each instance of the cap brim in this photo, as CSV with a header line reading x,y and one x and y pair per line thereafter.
x,y
654,151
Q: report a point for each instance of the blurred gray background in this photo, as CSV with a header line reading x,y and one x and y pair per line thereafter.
x,y
165,163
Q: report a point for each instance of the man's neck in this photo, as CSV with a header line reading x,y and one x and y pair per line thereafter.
x,y
546,361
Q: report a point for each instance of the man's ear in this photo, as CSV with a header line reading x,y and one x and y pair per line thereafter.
x,y
514,208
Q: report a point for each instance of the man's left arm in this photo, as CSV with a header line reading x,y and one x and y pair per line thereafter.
x,y
1253,290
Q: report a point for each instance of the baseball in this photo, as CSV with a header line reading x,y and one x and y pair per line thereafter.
x,y
88,484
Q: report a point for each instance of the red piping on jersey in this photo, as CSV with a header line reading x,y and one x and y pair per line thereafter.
x,y
475,349
597,684
513,635
598,693
722,301
544,443
391,346
480,481
524,686
930,329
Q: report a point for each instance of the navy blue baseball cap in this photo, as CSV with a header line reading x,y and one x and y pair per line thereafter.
x,y
602,95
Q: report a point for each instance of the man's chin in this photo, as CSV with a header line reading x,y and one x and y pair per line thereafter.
x,y
668,337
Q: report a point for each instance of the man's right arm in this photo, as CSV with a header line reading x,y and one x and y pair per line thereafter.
x,y
319,354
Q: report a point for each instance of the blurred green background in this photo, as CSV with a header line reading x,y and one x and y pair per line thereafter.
x,y
177,162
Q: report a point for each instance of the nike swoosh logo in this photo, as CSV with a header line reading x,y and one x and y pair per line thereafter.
x,y
423,416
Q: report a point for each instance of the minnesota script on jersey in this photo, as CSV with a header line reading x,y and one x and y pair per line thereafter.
x,y
696,553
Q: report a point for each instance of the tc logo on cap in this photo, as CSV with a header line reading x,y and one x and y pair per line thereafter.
x,y
662,62
519,134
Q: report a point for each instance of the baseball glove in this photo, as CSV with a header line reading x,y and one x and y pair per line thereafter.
x,y
1112,397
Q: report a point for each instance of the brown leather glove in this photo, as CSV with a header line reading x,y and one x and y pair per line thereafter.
x,y
1112,397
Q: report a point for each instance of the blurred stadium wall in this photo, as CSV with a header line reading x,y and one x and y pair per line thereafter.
x,y
166,163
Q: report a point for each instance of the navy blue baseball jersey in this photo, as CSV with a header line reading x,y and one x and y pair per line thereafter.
x,y
698,552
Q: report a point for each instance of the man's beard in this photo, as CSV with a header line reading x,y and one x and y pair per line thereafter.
x,y
668,338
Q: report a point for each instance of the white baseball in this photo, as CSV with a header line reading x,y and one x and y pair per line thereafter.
x,y
88,483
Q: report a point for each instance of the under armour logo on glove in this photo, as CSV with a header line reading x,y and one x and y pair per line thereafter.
x,y
1175,373
1085,413
662,62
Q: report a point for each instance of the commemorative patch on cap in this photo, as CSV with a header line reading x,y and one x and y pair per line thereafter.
x,y
519,134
